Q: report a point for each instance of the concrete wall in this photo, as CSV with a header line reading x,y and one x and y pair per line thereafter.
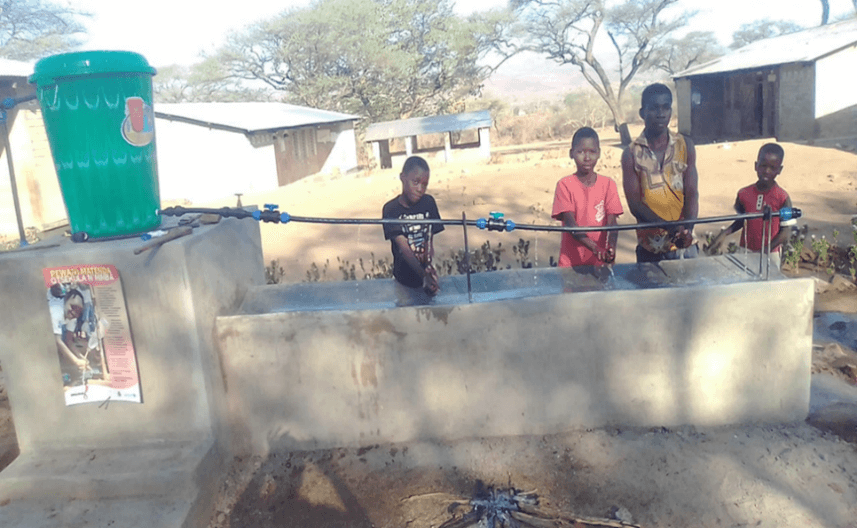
x,y
172,296
201,164
836,98
796,102
303,151
683,105
705,355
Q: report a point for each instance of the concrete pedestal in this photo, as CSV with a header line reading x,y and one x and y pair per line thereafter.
x,y
163,451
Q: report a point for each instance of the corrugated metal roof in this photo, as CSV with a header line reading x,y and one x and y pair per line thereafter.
x,y
803,46
428,125
13,68
250,117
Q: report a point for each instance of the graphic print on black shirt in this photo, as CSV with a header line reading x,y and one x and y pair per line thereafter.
x,y
418,235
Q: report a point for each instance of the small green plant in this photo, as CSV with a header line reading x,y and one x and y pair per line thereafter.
x,y
349,270
316,274
485,258
821,247
274,273
378,269
793,250
852,259
521,250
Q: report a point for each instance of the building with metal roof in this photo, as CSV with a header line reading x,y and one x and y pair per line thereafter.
x,y
208,151
795,87
39,200
380,135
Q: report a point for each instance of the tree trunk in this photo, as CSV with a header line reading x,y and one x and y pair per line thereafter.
x,y
825,11
618,121
624,134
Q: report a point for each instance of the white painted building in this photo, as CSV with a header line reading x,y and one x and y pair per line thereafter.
x,y
795,87
208,151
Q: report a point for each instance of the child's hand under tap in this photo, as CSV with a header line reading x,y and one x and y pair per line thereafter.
x,y
431,282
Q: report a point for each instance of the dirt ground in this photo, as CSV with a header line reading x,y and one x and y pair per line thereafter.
x,y
786,475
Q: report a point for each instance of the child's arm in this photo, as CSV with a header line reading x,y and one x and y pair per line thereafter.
x,y
431,282
65,351
714,247
782,237
408,254
612,238
428,275
785,232
567,218
690,178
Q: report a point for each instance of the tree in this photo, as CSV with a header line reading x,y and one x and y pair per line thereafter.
x,y
384,59
693,49
762,29
31,29
825,11
570,32
206,81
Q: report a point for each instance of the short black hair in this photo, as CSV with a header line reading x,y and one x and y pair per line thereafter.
x,y
414,162
652,90
772,148
583,133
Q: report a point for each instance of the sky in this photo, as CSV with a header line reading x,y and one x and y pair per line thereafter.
x,y
177,31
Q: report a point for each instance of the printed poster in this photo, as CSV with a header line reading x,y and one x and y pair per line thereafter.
x,y
90,323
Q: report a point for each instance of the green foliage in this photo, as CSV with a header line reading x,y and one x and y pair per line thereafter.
x,y
793,250
570,32
484,258
32,29
383,59
206,81
821,247
316,274
762,29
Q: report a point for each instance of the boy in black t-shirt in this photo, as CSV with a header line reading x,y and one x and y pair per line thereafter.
x,y
412,243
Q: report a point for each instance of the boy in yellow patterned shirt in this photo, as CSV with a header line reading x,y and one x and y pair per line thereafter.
x,y
660,181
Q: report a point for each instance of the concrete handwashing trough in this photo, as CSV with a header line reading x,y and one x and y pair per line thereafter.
x,y
700,341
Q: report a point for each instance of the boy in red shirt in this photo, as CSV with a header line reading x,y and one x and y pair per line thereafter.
x,y
753,199
586,199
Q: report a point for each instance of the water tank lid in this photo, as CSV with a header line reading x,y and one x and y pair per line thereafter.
x,y
81,63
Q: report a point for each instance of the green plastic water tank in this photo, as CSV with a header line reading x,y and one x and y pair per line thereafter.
x,y
97,108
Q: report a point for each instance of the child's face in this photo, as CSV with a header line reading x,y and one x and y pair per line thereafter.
x,y
768,167
657,112
585,154
414,184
